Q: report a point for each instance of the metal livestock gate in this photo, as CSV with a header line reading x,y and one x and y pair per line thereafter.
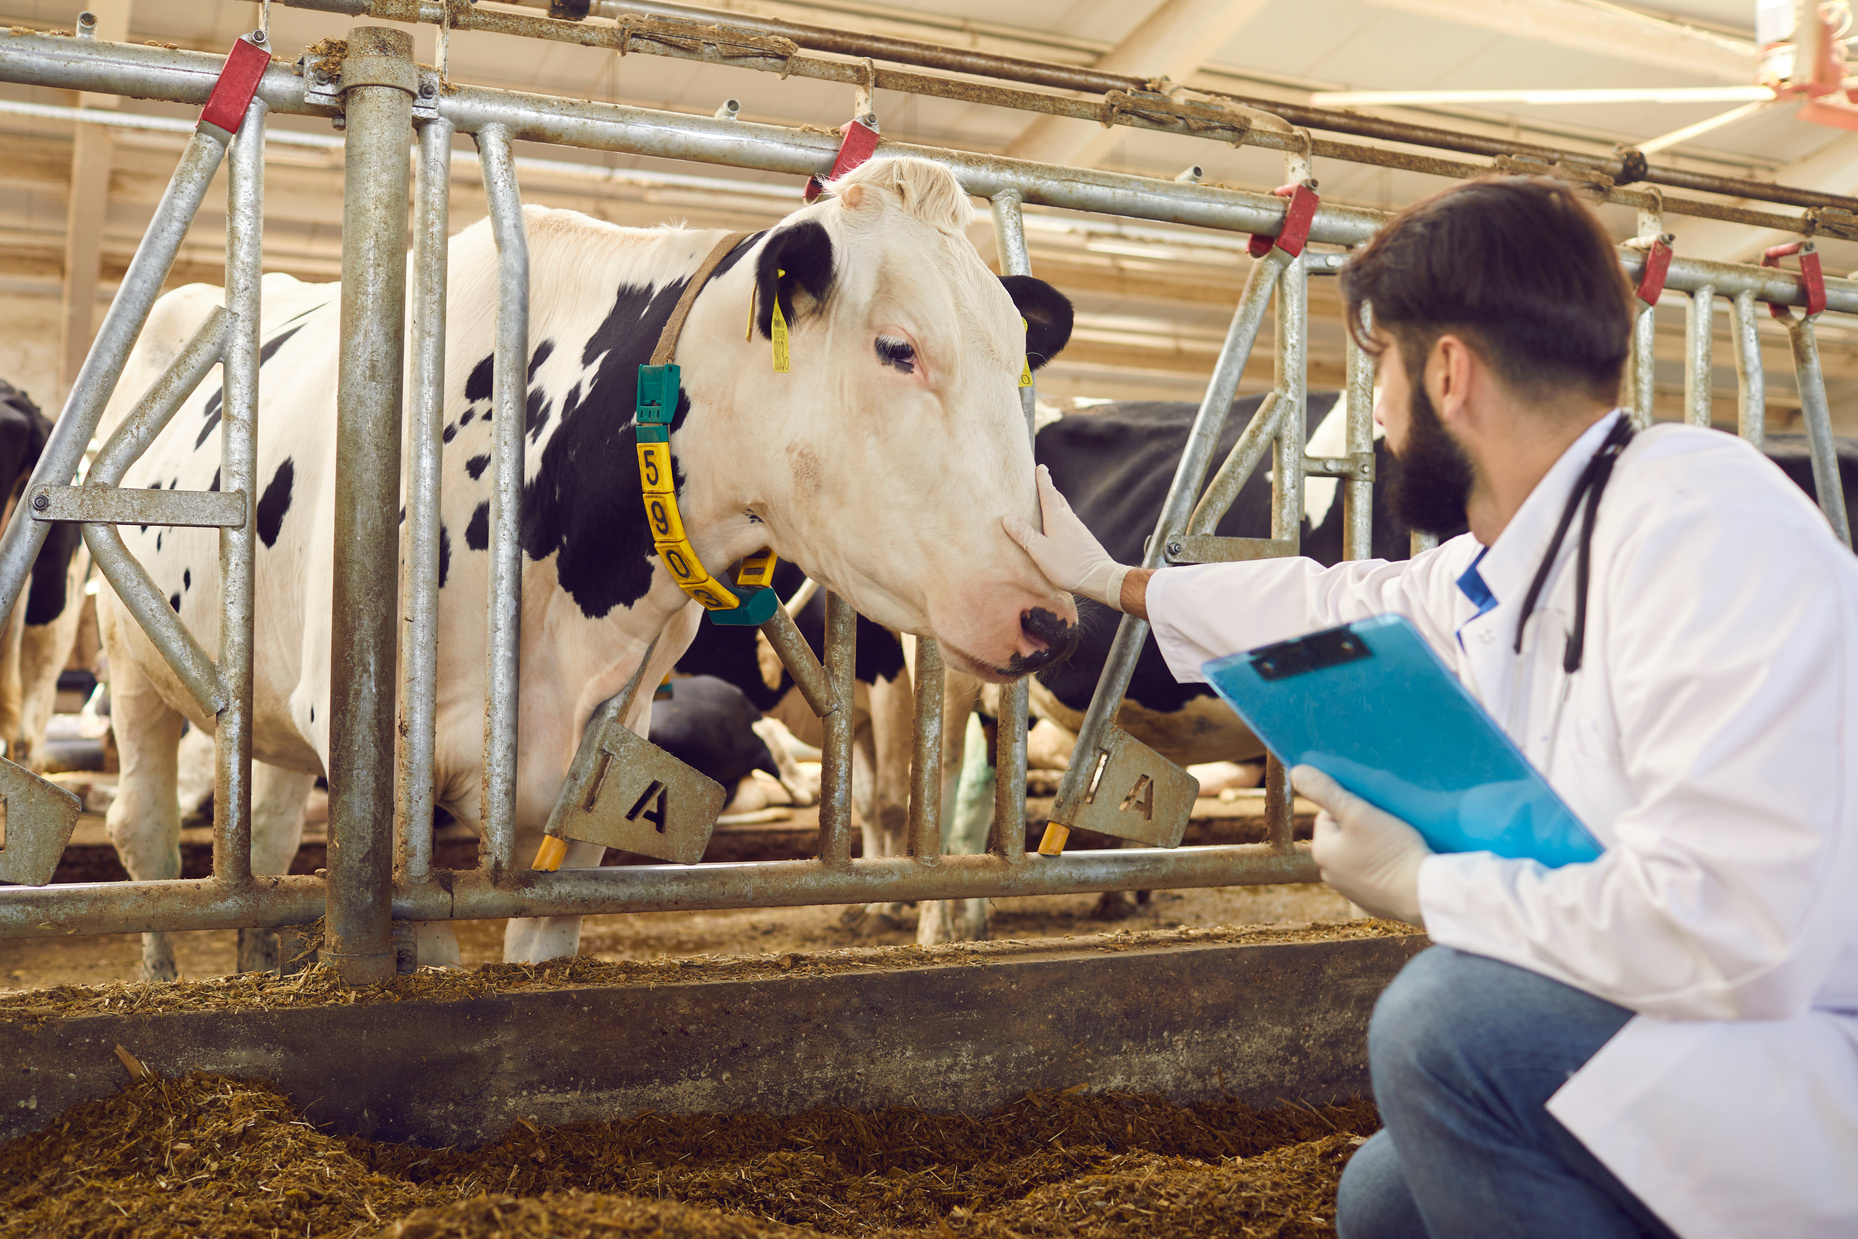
x,y
382,97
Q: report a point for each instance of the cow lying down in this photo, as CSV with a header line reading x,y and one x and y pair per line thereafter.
x,y
883,461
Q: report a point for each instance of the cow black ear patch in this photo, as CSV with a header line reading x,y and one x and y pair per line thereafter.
x,y
1047,313
275,502
804,253
445,555
477,533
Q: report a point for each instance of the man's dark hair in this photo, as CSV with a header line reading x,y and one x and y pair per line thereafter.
x,y
1519,267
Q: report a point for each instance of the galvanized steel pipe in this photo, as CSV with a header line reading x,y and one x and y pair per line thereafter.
x,y
835,775
1698,370
1751,387
1811,382
380,84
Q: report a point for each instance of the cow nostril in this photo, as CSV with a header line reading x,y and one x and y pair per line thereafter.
x,y
1049,634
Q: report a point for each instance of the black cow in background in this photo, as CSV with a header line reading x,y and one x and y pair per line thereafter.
x,y
34,634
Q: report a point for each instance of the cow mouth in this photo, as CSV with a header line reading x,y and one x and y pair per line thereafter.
x,y
1056,641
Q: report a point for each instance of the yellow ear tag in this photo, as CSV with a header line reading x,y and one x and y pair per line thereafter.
x,y
1025,371
780,331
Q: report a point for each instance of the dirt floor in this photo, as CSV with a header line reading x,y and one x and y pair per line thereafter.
x,y
209,1156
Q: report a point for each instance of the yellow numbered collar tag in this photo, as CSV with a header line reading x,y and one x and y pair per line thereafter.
x,y
1025,370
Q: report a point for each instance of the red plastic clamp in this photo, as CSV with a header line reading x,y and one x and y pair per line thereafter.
x,y
1811,276
859,142
1297,218
238,82
1657,267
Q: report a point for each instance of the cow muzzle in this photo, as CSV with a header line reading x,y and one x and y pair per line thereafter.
x,y
1045,638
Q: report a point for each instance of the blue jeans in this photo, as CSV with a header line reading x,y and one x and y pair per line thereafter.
x,y
1465,1053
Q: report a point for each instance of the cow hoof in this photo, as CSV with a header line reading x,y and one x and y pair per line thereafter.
x,y
158,958
257,951
1112,906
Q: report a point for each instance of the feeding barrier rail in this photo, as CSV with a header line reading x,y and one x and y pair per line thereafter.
x,y
381,797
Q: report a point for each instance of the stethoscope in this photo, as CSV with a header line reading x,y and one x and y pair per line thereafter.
x,y
1590,486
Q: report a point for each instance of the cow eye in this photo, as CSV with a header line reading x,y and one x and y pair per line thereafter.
x,y
898,354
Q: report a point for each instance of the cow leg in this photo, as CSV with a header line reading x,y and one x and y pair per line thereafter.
x,y
538,939
886,825
278,798
45,648
969,817
145,820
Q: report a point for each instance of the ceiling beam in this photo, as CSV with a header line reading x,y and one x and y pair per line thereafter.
x,y
1608,31
1173,41
1832,168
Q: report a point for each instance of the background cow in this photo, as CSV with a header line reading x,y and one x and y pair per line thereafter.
x,y
884,462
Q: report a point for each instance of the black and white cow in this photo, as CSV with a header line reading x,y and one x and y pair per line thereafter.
x,y
883,462
37,636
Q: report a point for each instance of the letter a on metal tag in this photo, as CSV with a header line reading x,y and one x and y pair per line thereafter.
x,y
1134,793
627,793
40,817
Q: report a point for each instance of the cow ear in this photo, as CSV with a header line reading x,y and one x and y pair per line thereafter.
x,y
803,253
1047,313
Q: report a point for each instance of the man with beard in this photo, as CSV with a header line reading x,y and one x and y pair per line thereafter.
x,y
1664,1040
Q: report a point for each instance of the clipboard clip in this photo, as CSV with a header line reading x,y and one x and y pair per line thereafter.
x,y
1333,647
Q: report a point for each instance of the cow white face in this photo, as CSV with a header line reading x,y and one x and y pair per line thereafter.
x,y
885,458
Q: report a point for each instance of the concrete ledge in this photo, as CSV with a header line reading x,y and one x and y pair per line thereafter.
x,y
1266,1022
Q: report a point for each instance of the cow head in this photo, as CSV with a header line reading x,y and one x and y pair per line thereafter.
x,y
884,459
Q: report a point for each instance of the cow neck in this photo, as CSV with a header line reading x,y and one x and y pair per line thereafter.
x,y
658,388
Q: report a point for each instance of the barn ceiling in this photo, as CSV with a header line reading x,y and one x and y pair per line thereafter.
x,y
1153,301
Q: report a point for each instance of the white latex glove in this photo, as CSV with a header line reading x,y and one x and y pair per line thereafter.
x,y
1368,854
1067,552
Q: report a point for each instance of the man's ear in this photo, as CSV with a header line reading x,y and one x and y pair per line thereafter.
x,y
804,253
1047,313
1448,376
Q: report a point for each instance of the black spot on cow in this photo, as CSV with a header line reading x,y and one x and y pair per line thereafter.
x,y
275,502
212,420
270,347
312,714
477,383
173,482
187,579
174,600
451,432
541,354
535,413
476,465
403,515
464,419
158,542
583,505
445,555
215,485
477,533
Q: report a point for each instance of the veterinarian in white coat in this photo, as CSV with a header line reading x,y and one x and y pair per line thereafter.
x,y
1664,1040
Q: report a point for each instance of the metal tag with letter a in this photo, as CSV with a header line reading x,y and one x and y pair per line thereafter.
x,y
40,817
624,792
1134,793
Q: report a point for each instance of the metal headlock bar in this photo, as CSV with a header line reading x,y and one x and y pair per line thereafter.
x,y
384,98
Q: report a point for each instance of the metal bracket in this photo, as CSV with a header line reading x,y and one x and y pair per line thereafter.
x,y
321,89
625,792
1354,467
1207,549
1134,793
40,817
109,505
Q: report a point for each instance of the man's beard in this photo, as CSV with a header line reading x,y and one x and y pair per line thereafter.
x,y
1430,482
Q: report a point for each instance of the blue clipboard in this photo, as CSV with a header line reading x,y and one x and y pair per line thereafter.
x,y
1373,707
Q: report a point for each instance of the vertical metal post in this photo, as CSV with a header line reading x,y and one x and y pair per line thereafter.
x,y
1751,386
1009,833
1183,491
238,447
1290,379
116,335
1811,381
380,84
1697,341
1358,493
510,377
926,754
835,774
1644,364
420,634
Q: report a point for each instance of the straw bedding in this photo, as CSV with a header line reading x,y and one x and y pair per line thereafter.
x,y
208,1156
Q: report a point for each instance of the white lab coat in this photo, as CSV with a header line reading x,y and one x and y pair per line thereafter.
x,y
1710,742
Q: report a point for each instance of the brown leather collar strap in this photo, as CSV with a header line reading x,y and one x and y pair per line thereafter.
x,y
674,326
